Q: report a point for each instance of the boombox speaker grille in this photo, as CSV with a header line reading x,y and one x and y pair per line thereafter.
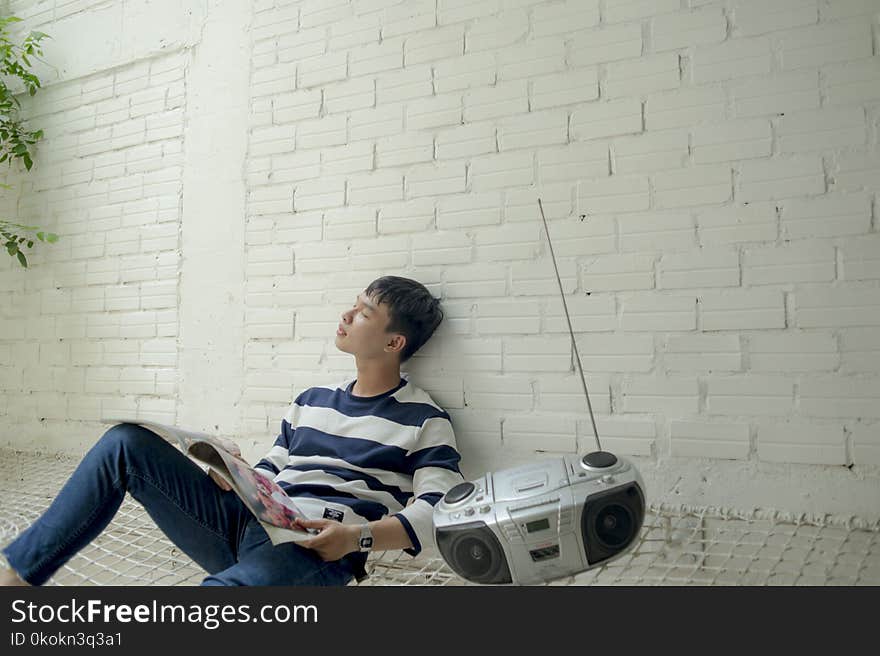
x,y
611,521
473,551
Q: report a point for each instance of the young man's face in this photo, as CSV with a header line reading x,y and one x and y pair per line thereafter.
x,y
361,330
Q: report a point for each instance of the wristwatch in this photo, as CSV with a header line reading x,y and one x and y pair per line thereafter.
x,y
365,541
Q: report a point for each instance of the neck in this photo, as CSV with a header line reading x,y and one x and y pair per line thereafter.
x,y
376,377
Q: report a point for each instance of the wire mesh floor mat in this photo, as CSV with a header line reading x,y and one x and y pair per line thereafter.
x,y
678,545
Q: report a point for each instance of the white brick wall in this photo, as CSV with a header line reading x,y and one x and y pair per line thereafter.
x,y
709,171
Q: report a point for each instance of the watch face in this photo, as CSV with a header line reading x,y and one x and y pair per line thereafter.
x,y
366,543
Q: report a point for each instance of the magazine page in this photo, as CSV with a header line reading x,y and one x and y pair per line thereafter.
x,y
182,438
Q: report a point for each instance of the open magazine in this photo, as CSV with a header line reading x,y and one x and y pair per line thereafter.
x,y
269,503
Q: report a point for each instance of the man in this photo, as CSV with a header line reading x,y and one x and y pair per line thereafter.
x,y
366,459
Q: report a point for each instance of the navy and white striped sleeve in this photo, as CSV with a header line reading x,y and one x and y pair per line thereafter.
x,y
433,463
279,455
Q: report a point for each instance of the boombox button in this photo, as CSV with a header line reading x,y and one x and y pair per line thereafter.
x,y
468,511
485,509
608,479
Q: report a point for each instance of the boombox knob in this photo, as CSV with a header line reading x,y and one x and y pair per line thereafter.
x,y
459,492
599,459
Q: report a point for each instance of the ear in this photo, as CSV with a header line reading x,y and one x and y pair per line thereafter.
x,y
396,344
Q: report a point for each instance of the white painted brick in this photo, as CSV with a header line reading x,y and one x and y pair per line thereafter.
x,y
617,353
696,352
476,280
469,210
619,272
562,18
826,216
781,178
684,107
531,59
322,12
539,434
624,10
453,11
694,28
510,242
327,131
501,100
303,44
436,248
533,129
656,231
528,354
578,86
858,171
466,140
503,170
661,394
407,148
350,223
296,106
492,33
734,140
860,258
606,119
732,59
538,277
809,261
649,312
699,185
821,130
737,223
409,216
631,437
792,352
472,354
650,151
522,204
476,70
508,316
434,112
408,17
429,180
607,44
349,95
321,70
434,45
747,394
619,193
752,17
778,93
859,350
742,309
566,393
808,47
709,440
823,306
375,254
266,323
325,192
593,313
371,123
801,442
573,161
408,84
354,32
645,75
837,9
707,267
840,396
376,187
866,444
374,58
339,160
852,82
575,238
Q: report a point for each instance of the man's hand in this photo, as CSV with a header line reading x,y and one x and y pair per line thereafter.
x,y
334,541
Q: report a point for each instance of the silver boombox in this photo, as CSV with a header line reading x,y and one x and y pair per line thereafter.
x,y
541,521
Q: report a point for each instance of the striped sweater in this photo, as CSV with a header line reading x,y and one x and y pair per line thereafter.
x,y
357,459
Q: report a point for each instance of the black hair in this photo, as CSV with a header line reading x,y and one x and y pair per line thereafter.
x,y
412,310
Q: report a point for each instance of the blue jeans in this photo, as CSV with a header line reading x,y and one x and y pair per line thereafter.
x,y
210,525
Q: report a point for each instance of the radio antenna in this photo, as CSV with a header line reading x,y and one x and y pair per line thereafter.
x,y
570,331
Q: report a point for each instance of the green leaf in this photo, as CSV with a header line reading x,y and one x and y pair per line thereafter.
x,y
30,243
22,259
27,161
52,237
40,236
20,149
